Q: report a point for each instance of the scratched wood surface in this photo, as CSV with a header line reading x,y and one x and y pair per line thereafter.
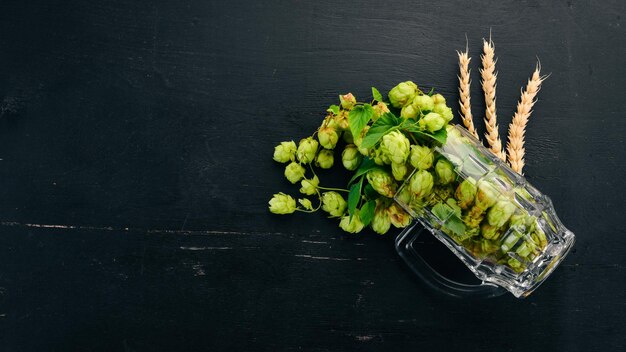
x,y
135,167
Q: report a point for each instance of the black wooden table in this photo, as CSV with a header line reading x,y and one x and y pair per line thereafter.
x,y
136,141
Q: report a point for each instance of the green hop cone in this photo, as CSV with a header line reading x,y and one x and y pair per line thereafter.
x,y
489,232
285,151
325,159
351,224
421,183
404,195
294,172
328,137
351,158
421,157
341,121
358,141
306,203
398,217
379,157
333,203
432,122
396,146
382,182
309,187
347,101
444,192
399,171
438,99
381,222
520,222
465,193
307,150
486,196
472,220
445,172
379,109
409,111
402,94
444,111
282,203
500,213
423,103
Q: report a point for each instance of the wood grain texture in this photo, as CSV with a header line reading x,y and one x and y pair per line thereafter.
x,y
145,131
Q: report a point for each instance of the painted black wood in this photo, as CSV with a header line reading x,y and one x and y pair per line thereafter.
x,y
136,141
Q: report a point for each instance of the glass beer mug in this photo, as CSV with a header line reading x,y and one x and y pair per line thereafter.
x,y
502,228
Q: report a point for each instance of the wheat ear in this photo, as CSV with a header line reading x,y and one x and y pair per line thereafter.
x,y
489,76
517,128
464,92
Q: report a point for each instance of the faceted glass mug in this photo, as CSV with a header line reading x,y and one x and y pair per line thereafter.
x,y
502,228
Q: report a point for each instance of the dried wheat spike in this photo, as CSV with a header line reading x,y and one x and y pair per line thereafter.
x,y
464,92
489,76
517,128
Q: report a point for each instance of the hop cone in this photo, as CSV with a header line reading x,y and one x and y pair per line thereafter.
x,y
382,182
282,203
396,146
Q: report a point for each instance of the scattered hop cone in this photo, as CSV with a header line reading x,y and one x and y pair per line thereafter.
x,y
465,193
285,151
438,99
382,182
486,195
294,172
341,121
500,213
380,158
409,111
325,159
396,146
422,157
398,217
307,150
309,187
444,111
347,101
398,171
445,172
402,94
432,122
520,222
328,137
306,203
282,203
489,232
333,203
423,103
351,158
472,221
381,222
359,140
379,110
351,225
421,183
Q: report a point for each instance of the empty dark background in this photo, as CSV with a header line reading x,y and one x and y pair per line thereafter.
x,y
135,167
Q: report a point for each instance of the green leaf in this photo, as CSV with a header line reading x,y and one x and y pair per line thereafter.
x,y
354,196
440,136
386,123
449,218
432,90
366,165
370,192
358,118
367,212
376,94
334,109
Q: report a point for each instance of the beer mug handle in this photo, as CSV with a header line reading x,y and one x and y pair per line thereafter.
x,y
404,246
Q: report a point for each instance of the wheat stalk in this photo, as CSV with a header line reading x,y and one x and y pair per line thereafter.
x,y
464,92
489,76
517,128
